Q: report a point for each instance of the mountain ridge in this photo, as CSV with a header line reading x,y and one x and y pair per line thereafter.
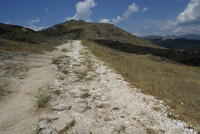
x,y
185,36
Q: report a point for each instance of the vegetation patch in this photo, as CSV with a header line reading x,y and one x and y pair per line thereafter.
x,y
121,129
3,91
85,95
65,50
116,108
177,84
42,99
150,131
56,61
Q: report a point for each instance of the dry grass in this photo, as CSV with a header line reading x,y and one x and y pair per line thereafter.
x,y
85,96
178,85
87,65
4,89
69,126
23,46
56,61
65,50
2,92
42,99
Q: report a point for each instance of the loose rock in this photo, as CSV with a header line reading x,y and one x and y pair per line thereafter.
x,y
62,107
48,131
81,107
43,124
63,123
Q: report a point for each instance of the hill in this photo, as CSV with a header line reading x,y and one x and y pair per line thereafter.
x,y
19,33
93,31
57,34
18,38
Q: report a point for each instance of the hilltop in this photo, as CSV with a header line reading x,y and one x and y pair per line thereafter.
x,y
12,35
93,31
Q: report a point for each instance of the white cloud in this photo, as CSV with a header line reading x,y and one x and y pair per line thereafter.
x,y
105,20
186,20
145,9
191,14
46,10
83,10
36,28
136,33
116,20
32,24
36,20
129,11
187,29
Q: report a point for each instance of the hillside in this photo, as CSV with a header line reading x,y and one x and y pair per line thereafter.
x,y
177,84
20,38
93,31
19,33
114,37
12,36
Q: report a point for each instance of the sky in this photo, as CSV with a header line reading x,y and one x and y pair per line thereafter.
x,y
139,17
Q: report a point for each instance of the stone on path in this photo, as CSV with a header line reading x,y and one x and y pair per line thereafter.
x,y
81,106
62,107
63,123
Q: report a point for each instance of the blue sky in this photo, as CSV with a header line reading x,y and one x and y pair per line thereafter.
x,y
140,17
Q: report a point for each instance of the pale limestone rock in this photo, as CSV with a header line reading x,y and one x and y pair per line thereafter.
x,y
62,123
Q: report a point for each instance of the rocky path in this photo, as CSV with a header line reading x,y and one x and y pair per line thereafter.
x,y
87,97
90,98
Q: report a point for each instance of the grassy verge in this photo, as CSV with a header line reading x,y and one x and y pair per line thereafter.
x,y
178,85
11,45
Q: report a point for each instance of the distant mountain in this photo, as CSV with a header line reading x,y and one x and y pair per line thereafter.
x,y
182,44
186,36
151,37
188,42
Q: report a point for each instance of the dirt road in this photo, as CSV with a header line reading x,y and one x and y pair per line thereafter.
x,y
87,97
